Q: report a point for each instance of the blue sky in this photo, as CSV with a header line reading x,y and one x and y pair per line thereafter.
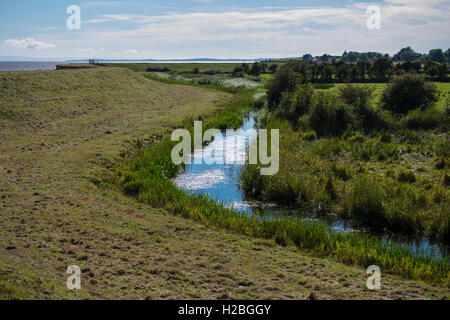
x,y
138,29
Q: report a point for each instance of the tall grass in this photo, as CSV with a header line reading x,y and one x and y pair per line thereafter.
x,y
212,81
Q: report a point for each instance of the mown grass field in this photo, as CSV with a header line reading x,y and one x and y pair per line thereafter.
x,y
61,133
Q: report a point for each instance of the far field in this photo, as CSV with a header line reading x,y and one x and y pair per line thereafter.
x,y
443,88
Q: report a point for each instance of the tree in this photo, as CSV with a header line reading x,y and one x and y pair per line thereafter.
x,y
353,72
362,67
382,68
342,71
273,68
295,104
442,70
256,69
238,72
436,55
406,54
307,57
326,72
447,55
284,80
408,92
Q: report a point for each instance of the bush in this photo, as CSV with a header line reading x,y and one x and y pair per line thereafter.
x,y
329,116
356,95
360,98
408,92
295,104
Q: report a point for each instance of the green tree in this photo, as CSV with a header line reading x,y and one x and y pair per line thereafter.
x,y
284,80
256,69
382,68
343,71
362,67
273,68
408,92
436,55
442,70
406,54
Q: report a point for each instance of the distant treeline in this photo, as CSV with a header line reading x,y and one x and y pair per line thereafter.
x,y
404,55
380,70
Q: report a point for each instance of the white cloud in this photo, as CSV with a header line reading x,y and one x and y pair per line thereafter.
x,y
267,31
90,49
29,43
137,53
131,51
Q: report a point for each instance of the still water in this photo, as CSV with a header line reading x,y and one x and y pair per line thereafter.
x,y
221,182
27,65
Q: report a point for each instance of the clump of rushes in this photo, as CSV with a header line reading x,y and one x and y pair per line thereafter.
x,y
147,176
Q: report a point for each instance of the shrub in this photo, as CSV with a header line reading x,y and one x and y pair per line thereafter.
x,y
408,92
329,116
356,95
295,104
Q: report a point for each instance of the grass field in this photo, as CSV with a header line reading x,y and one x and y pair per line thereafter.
x,y
443,88
178,67
61,133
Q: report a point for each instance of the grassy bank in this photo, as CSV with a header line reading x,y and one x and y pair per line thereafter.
x,y
148,177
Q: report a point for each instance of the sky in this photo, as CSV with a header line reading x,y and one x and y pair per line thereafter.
x,y
175,29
